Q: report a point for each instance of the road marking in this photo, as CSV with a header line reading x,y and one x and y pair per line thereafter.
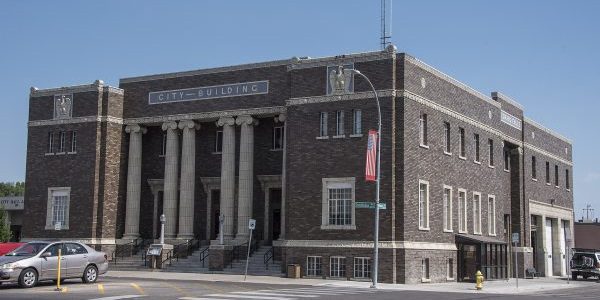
x,y
119,297
101,288
299,295
138,288
235,296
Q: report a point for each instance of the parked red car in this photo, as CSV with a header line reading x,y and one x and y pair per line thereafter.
x,y
7,247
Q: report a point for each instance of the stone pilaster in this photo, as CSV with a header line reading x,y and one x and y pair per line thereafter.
x,y
170,181
227,175
246,175
134,181
186,189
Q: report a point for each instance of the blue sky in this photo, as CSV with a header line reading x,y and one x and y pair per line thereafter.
x,y
544,54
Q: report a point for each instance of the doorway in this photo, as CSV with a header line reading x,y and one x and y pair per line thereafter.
x,y
275,213
215,196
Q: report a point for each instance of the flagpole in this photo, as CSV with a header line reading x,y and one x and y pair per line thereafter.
x,y
378,182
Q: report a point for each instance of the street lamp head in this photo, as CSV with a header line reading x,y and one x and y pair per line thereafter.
x,y
162,218
355,71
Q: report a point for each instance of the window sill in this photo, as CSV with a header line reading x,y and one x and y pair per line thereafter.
x,y
556,186
424,146
75,152
463,231
477,162
448,231
449,279
568,190
462,157
161,155
425,280
61,153
491,167
477,233
52,228
534,179
448,153
356,135
313,276
48,154
276,150
492,234
339,136
507,171
338,227
365,279
322,137
548,183
424,228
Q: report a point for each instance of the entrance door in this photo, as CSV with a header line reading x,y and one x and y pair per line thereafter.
x,y
549,247
275,199
215,197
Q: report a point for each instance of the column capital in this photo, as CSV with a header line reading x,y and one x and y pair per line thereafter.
x,y
225,121
280,118
246,120
135,128
189,124
171,125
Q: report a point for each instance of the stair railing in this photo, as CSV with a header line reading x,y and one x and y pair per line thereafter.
x,y
268,256
203,255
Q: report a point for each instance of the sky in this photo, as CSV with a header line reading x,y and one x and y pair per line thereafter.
x,y
544,54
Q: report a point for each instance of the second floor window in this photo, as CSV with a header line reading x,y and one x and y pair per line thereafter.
x,y
163,147
447,147
357,124
277,138
423,129
556,175
533,168
62,142
423,205
491,151
219,141
323,124
462,211
476,141
339,123
461,141
73,141
567,181
548,172
506,159
476,213
50,143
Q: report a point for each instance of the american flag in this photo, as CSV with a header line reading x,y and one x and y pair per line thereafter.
x,y
370,168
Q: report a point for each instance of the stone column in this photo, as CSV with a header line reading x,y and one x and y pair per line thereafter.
x,y
186,190
134,181
246,175
283,118
227,175
170,181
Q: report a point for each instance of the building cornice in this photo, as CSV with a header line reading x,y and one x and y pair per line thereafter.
x,y
547,130
507,99
76,120
97,86
343,97
262,111
364,244
304,63
548,154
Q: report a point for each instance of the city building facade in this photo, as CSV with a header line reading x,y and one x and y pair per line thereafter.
x,y
283,142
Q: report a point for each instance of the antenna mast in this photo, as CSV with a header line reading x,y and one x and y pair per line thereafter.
x,y
587,210
384,32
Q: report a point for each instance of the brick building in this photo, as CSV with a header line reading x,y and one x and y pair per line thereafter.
x,y
284,142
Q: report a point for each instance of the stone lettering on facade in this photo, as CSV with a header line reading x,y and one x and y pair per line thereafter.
x,y
210,92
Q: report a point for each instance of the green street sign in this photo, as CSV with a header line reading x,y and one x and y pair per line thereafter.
x,y
370,205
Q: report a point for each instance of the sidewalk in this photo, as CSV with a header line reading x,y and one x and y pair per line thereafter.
x,y
526,286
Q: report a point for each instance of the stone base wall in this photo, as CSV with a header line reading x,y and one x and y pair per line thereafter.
x,y
412,266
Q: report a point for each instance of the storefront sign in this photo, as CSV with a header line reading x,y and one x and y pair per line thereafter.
x,y
12,203
210,92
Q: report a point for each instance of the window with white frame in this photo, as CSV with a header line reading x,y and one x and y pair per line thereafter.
x,y
218,141
491,215
450,269
423,129
447,145
338,203
313,266
362,267
277,138
447,208
339,121
62,142
425,269
73,142
50,142
462,210
357,121
477,152
423,205
476,213
57,209
461,141
491,152
337,266
323,124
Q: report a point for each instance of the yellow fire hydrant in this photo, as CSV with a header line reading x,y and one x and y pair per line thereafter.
x,y
479,280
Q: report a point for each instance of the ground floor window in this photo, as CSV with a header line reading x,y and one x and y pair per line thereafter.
x,y
313,266
450,268
425,269
362,267
57,209
337,266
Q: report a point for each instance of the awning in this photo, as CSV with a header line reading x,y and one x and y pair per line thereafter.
x,y
477,239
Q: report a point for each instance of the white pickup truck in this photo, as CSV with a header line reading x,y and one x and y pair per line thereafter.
x,y
585,264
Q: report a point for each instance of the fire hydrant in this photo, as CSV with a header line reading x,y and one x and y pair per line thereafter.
x,y
479,280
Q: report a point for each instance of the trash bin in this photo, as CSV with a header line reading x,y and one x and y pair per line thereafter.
x,y
293,271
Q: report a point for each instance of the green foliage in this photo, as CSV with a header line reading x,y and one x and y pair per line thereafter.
x,y
4,227
12,189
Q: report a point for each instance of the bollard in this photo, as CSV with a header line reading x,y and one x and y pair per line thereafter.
x,y
58,271
479,280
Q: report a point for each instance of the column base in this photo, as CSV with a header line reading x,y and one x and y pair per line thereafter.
x,y
185,237
131,236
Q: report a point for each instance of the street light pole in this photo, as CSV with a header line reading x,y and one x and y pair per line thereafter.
x,y
378,182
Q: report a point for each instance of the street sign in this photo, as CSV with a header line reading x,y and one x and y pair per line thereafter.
x,y
370,205
251,224
515,237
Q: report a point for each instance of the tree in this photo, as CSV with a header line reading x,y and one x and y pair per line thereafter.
x,y
4,226
12,189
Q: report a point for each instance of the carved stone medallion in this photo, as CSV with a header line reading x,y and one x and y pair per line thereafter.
x,y
63,106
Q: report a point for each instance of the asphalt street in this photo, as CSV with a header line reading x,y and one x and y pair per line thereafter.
x,y
116,289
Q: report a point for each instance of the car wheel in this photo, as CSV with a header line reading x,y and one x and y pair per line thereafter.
x,y
90,275
28,278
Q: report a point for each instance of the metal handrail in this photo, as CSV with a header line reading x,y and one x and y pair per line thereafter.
x,y
121,250
169,257
268,256
203,255
240,249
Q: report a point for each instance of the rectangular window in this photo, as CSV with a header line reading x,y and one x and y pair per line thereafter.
x,y
506,159
547,172
450,269
423,129
62,142
163,147
447,147
218,141
50,142
447,208
476,141
323,124
277,138
313,266
556,175
339,123
57,210
357,121
59,207
533,167
423,205
476,213
73,141
491,215
461,141
362,267
337,266
567,180
425,269
462,210
338,203
491,151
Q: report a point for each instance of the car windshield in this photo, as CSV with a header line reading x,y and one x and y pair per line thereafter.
x,y
29,249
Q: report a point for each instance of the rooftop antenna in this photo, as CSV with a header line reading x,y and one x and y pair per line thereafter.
x,y
385,35
587,210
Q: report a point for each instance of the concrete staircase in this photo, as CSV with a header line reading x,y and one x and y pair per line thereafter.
x,y
256,265
131,263
190,264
